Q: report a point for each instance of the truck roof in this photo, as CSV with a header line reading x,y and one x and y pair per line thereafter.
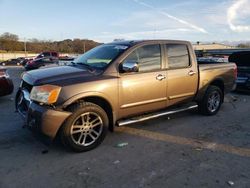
x,y
134,42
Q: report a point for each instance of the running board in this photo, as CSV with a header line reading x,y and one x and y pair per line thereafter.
x,y
152,116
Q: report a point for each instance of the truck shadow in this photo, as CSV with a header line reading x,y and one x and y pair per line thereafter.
x,y
241,92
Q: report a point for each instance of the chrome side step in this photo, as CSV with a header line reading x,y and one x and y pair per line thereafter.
x,y
152,116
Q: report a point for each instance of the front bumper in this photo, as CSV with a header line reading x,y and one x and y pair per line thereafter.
x,y
43,120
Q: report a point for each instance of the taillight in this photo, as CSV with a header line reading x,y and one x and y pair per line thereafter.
x,y
235,72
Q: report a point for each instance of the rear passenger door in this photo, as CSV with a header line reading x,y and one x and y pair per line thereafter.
x,y
182,73
144,90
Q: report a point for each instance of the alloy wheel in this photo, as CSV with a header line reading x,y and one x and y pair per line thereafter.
x,y
213,101
86,128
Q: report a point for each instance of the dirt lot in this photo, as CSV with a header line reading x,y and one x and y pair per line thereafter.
x,y
182,150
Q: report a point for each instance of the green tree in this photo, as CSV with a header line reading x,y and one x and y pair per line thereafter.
x,y
9,42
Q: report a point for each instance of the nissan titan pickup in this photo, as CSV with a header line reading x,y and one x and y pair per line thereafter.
x,y
117,84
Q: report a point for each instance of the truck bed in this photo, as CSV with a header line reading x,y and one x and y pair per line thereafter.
x,y
216,71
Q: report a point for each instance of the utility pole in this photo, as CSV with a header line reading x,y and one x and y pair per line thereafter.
x,y
25,47
84,48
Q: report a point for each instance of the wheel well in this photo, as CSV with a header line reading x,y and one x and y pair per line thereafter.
x,y
104,104
219,84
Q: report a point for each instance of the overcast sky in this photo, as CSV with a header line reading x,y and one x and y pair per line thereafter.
x,y
105,20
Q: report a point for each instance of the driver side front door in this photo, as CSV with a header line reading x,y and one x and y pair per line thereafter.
x,y
145,90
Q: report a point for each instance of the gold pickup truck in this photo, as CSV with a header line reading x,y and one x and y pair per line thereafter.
x,y
118,84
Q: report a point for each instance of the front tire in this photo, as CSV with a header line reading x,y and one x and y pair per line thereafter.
x,y
211,101
86,128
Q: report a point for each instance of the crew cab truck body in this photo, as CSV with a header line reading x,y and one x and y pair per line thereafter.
x,y
118,84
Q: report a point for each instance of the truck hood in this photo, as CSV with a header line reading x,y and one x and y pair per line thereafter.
x,y
61,75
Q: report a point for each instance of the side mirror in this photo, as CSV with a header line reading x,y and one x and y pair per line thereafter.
x,y
129,66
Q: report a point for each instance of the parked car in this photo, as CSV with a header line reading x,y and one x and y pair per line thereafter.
x,y
6,84
48,54
66,58
26,60
208,60
43,59
242,60
51,55
118,84
12,62
40,62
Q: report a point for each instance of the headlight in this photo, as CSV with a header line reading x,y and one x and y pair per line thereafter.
x,y
47,94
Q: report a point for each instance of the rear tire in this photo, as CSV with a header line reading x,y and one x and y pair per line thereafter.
x,y
86,128
211,101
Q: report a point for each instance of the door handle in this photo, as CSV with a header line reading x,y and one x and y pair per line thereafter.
x,y
160,77
191,73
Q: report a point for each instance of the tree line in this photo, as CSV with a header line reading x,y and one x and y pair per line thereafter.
x,y
244,45
10,43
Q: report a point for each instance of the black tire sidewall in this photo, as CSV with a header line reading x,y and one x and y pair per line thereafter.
x,y
17,98
65,134
203,107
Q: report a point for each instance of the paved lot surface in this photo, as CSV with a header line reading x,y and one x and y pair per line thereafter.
x,y
182,150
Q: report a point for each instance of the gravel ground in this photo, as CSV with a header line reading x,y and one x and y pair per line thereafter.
x,y
181,150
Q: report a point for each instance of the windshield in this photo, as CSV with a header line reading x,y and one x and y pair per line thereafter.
x,y
100,57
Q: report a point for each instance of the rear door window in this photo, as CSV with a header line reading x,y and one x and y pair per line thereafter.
x,y
178,56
